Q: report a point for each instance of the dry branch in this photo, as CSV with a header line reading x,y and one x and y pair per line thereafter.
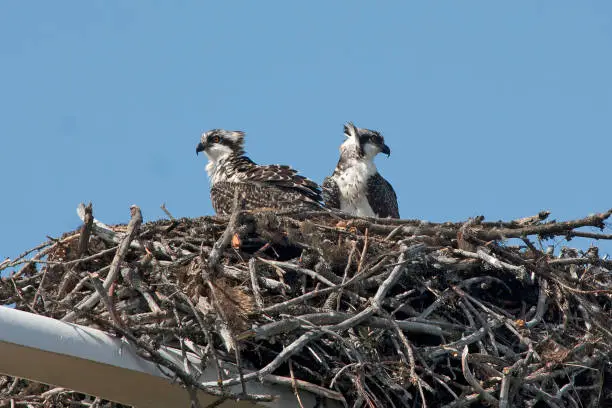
x,y
371,312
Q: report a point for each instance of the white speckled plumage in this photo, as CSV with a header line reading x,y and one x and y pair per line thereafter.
x,y
259,186
356,187
352,183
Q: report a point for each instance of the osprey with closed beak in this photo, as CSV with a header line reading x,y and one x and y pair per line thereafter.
x,y
274,186
356,187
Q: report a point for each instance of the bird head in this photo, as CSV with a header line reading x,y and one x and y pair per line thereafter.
x,y
219,143
368,142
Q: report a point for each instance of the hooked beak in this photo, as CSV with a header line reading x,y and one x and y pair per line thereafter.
x,y
386,150
200,148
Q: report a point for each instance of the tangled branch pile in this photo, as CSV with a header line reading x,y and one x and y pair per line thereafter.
x,y
370,312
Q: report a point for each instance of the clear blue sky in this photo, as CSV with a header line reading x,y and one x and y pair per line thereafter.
x,y
495,108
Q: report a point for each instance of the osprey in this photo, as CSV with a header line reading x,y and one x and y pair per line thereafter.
x,y
356,187
273,186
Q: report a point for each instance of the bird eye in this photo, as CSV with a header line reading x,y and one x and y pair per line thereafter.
x,y
216,139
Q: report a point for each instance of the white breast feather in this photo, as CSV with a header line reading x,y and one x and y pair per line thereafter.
x,y
352,183
216,172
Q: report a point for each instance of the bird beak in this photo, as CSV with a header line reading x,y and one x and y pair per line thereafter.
x,y
386,150
200,148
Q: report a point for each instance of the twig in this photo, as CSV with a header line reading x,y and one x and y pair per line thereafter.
x,y
541,307
304,385
132,230
304,339
174,222
595,220
107,302
222,242
346,269
40,286
92,257
132,276
585,234
208,337
294,385
469,377
363,252
402,320
154,355
164,209
255,284
85,231
289,324
296,268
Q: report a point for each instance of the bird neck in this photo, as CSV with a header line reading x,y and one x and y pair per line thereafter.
x,y
352,156
217,167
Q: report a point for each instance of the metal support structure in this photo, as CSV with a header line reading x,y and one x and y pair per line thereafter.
x,y
91,361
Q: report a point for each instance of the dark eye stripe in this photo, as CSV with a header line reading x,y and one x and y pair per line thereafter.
x,y
371,138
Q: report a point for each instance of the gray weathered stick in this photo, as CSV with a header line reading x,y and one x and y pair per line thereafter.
x,y
132,230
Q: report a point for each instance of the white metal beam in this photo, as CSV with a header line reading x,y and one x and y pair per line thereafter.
x,y
91,361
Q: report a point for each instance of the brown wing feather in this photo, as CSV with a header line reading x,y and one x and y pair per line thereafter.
x,y
331,193
283,176
382,197
258,196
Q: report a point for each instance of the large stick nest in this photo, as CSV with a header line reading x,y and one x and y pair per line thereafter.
x,y
370,312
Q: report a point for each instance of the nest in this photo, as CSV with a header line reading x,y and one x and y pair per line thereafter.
x,y
369,312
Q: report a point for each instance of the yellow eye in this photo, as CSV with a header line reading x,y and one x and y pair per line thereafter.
x,y
216,139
